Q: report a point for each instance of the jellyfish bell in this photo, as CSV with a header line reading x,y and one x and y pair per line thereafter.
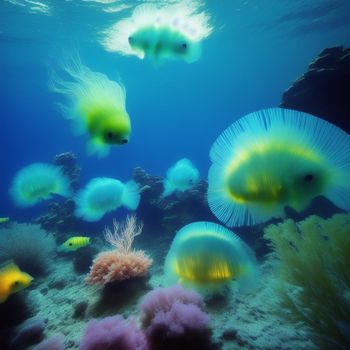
x,y
273,159
208,257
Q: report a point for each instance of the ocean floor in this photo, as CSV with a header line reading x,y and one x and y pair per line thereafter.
x,y
238,321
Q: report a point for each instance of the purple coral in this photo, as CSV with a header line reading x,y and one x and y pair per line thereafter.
x,y
173,318
163,302
113,333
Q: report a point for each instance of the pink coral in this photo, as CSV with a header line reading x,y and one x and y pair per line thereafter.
x,y
123,262
117,266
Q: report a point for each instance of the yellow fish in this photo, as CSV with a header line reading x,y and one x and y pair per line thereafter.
x,y
74,243
4,220
12,280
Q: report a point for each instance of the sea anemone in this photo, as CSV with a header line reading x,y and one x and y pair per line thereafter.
x,y
123,262
29,246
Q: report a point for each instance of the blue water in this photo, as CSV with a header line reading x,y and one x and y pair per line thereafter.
x,y
257,49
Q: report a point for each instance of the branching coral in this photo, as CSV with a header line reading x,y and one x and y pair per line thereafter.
x,y
29,246
314,279
123,262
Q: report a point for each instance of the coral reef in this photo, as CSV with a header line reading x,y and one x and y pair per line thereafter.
x,y
112,333
173,318
123,262
54,343
29,246
324,90
69,164
314,280
59,217
172,212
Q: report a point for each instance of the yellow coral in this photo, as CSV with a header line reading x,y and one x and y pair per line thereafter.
x,y
314,275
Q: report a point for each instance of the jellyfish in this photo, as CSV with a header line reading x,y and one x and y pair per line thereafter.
x,y
170,32
275,158
38,182
207,257
94,103
102,195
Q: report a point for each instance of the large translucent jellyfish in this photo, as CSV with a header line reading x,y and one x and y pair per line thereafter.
x,y
206,256
169,32
275,158
37,182
95,104
102,195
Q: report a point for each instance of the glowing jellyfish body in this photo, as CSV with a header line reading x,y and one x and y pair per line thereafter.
x,y
95,104
170,32
103,195
37,182
275,158
207,256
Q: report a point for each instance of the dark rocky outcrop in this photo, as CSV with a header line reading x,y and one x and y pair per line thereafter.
x,y
324,89
69,164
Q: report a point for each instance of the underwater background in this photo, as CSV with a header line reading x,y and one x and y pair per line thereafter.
x,y
256,51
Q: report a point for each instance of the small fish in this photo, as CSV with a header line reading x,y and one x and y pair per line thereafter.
x,y
12,280
102,195
180,177
4,220
74,243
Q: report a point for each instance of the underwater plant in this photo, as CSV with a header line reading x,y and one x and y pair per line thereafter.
x,y
313,285
207,257
275,158
175,316
123,262
37,182
113,333
169,32
102,195
180,177
29,246
95,104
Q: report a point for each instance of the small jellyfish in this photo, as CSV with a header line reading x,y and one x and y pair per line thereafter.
x,y
170,32
37,182
207,257
102,195
180,177
95,104
275,158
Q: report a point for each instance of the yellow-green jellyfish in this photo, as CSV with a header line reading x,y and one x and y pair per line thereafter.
x,y
37,182
206,256
95,104
275,158
102,195
169,32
